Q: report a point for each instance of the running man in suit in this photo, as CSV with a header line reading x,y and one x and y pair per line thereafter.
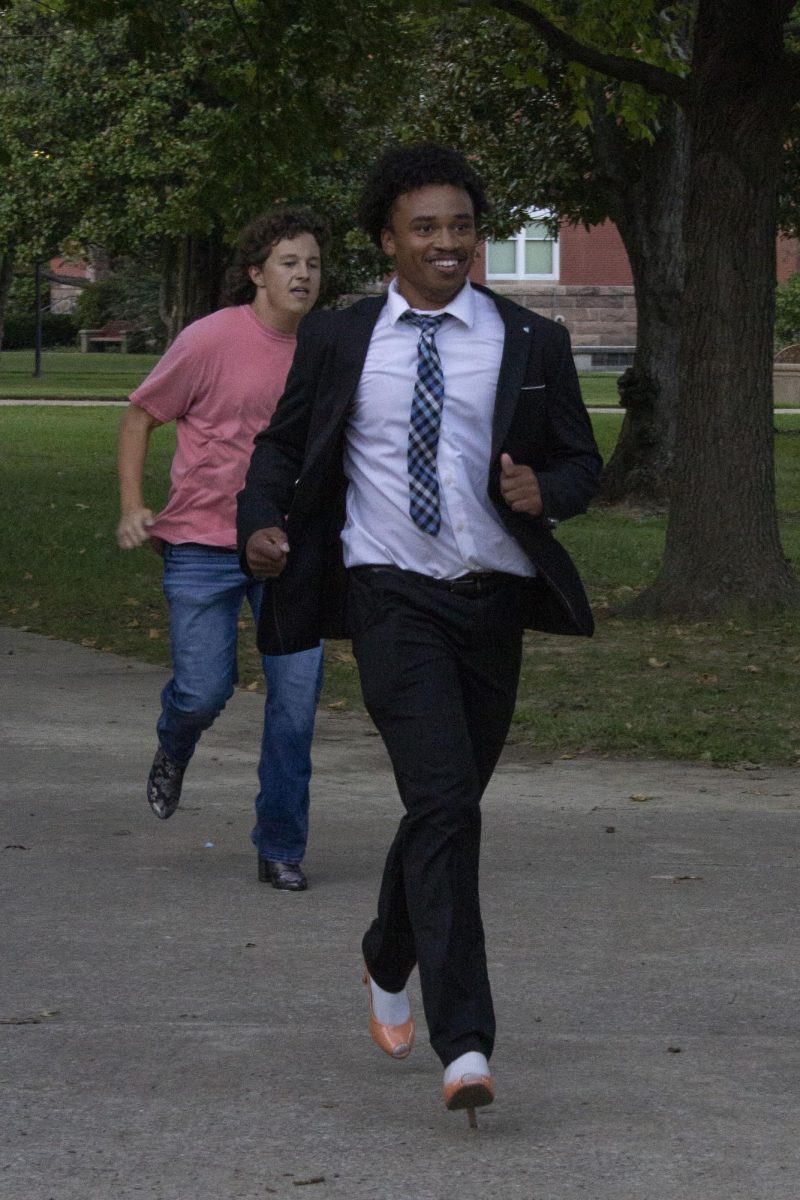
x,y
426,445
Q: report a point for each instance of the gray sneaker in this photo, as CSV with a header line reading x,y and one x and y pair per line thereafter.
x,y
164,785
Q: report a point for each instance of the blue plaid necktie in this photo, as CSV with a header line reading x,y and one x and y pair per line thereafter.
x,y
423,432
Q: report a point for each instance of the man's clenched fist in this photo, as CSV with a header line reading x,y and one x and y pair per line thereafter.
x,y
266,552
519,487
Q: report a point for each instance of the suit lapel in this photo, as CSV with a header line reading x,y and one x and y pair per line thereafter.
x,y
345,364
516,348
351,350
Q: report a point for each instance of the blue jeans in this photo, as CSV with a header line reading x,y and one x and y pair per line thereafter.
x,y
205,589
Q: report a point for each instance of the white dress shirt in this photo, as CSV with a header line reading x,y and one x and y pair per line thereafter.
x,y
379,528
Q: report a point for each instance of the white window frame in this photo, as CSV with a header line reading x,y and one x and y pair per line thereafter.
x,y
536,214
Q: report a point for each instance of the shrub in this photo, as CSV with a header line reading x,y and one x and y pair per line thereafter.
x,y
787,311
19,330
97,304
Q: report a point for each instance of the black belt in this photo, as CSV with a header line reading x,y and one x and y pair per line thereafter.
x,y
474,583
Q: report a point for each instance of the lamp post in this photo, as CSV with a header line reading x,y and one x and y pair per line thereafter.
x,y
37,344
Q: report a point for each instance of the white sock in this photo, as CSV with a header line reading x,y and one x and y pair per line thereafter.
x,y
390,1008
471,1063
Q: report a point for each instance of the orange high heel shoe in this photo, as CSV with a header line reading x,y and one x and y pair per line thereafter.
x,y
469,1092
394,1040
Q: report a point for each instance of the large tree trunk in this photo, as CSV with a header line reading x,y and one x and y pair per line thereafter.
x,y
723,552
191,284
7,260
645,187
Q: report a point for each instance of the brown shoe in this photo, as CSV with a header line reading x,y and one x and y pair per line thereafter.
x,y
469,1092
394,1040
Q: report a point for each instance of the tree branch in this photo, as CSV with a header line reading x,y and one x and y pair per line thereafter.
x,y
628,70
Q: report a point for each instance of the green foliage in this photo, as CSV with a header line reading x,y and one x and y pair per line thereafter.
x,y
19,330
129,294
95,304
22,294
787,311
135,125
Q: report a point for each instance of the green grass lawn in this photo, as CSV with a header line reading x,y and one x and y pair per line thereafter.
x,y
69,375
724,693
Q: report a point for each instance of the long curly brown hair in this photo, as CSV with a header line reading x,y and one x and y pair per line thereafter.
x,y
256,241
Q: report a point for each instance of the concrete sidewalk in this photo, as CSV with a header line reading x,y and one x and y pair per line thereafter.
x,y
172,1029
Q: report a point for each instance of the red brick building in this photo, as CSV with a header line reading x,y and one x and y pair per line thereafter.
x,y
582,277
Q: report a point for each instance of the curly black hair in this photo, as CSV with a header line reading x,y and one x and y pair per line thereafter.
x,y
257,239
403,169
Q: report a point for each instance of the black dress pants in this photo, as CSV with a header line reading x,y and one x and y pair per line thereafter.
x,y
439,673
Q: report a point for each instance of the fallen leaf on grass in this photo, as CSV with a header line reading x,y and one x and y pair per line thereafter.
x,y
154,634
343,656
752,668
707,679
89,642
657,662
336,704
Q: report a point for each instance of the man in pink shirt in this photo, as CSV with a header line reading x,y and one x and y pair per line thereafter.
x,y
220,381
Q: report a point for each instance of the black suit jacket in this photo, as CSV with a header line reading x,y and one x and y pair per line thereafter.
x,y
296,469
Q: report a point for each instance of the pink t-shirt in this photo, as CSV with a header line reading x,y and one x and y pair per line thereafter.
x,y
219,381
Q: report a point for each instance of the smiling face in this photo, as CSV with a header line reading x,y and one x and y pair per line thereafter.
x,y
287,282
432,239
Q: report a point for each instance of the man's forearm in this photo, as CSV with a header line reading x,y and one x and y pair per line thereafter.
x,y
132,446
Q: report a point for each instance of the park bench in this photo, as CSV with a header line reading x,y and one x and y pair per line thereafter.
x,y
786,377
113,333
603,358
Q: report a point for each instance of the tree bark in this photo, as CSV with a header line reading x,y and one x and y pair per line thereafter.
x,y
7,260
645,187
191,284
723,551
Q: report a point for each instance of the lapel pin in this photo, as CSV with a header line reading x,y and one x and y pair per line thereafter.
x,y
526,328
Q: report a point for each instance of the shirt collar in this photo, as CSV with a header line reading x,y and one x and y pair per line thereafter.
x,y
462,306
